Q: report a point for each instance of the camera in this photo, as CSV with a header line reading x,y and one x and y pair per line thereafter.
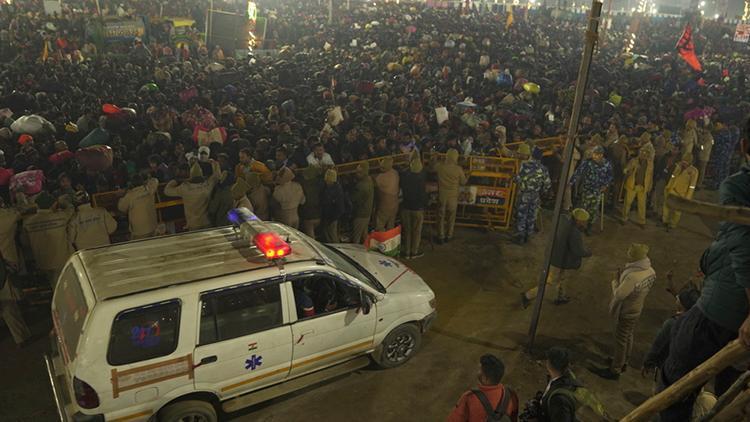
x,y
532,410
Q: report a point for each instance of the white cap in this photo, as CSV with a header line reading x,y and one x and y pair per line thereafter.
x,y
204,150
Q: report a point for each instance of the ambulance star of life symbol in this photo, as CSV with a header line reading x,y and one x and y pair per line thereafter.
x,y
254,362
387,263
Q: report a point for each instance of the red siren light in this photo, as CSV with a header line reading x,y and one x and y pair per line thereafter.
x,y
272,245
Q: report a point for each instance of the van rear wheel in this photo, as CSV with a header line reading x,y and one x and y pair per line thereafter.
x,y
188,411
398,346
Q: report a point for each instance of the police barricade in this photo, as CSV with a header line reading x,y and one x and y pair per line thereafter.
x,y
486,201
487,198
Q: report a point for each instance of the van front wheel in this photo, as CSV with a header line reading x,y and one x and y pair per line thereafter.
x,y
398,346
188,411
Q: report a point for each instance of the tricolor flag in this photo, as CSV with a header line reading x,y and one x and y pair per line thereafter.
x,y
387,242
686,49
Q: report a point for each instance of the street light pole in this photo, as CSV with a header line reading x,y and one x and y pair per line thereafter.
x,y
583,75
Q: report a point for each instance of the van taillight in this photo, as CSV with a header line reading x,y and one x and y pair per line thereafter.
x,y
86,396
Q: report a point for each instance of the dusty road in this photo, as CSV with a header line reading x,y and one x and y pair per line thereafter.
x,y
477,279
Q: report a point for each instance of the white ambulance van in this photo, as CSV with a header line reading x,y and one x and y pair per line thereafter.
x,y
177,327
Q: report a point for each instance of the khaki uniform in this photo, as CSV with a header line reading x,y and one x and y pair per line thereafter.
x,y
290,196
47,233
139,204
195,197
386,187
243,202
9,219
12,315
363,197
682,183
628,297
450,176
639,179
90,227
259,198
689,140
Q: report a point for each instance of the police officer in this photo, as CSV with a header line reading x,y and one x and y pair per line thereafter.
x,y
533,180
139,204
333,206
9,218
289,196
386,187
239,195
450,176
639,179
47,235
682,183
90,227
363,198
312,186
258,195
595,174
195,193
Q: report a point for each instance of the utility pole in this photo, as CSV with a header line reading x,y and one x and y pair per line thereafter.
x,y
583,75
330,12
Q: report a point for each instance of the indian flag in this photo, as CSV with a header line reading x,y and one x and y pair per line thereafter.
x,y
387,242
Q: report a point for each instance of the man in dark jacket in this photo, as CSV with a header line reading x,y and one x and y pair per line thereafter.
x,y
333,208
567,255
557,403
412,208
722,312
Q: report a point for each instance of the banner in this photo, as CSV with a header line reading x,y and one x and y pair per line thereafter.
x,y
742,32
124,30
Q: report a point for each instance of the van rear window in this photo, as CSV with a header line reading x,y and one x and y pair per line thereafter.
x,y
144,333
70,310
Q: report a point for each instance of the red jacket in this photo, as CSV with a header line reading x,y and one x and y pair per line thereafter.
x,y
470,409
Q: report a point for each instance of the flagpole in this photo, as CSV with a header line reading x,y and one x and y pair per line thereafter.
x,y
583,76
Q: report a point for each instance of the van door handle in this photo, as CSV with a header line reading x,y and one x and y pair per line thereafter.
x,y
207,360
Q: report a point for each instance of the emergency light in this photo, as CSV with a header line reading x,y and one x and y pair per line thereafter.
x,y
270,244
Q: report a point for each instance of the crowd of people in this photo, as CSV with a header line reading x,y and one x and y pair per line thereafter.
x,y
81,117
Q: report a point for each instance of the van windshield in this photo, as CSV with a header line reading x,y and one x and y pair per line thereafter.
x,y
70,311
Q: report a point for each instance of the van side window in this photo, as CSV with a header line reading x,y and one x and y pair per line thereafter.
x,y
319,294
144,333
239,312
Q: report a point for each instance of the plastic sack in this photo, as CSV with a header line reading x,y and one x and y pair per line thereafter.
x,y
204,136
28,182
442,115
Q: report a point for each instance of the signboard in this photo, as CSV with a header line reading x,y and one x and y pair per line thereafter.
x,y
491,196
742,32
124,30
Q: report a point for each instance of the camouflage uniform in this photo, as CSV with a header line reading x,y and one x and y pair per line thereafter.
x,y
533,180
594,177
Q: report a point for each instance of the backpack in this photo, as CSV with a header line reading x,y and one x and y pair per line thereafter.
x,y
588,406
498,414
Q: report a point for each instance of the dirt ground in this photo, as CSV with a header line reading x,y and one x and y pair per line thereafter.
x,y
477,279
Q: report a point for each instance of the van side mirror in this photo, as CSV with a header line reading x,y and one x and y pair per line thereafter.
x,y
365,302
